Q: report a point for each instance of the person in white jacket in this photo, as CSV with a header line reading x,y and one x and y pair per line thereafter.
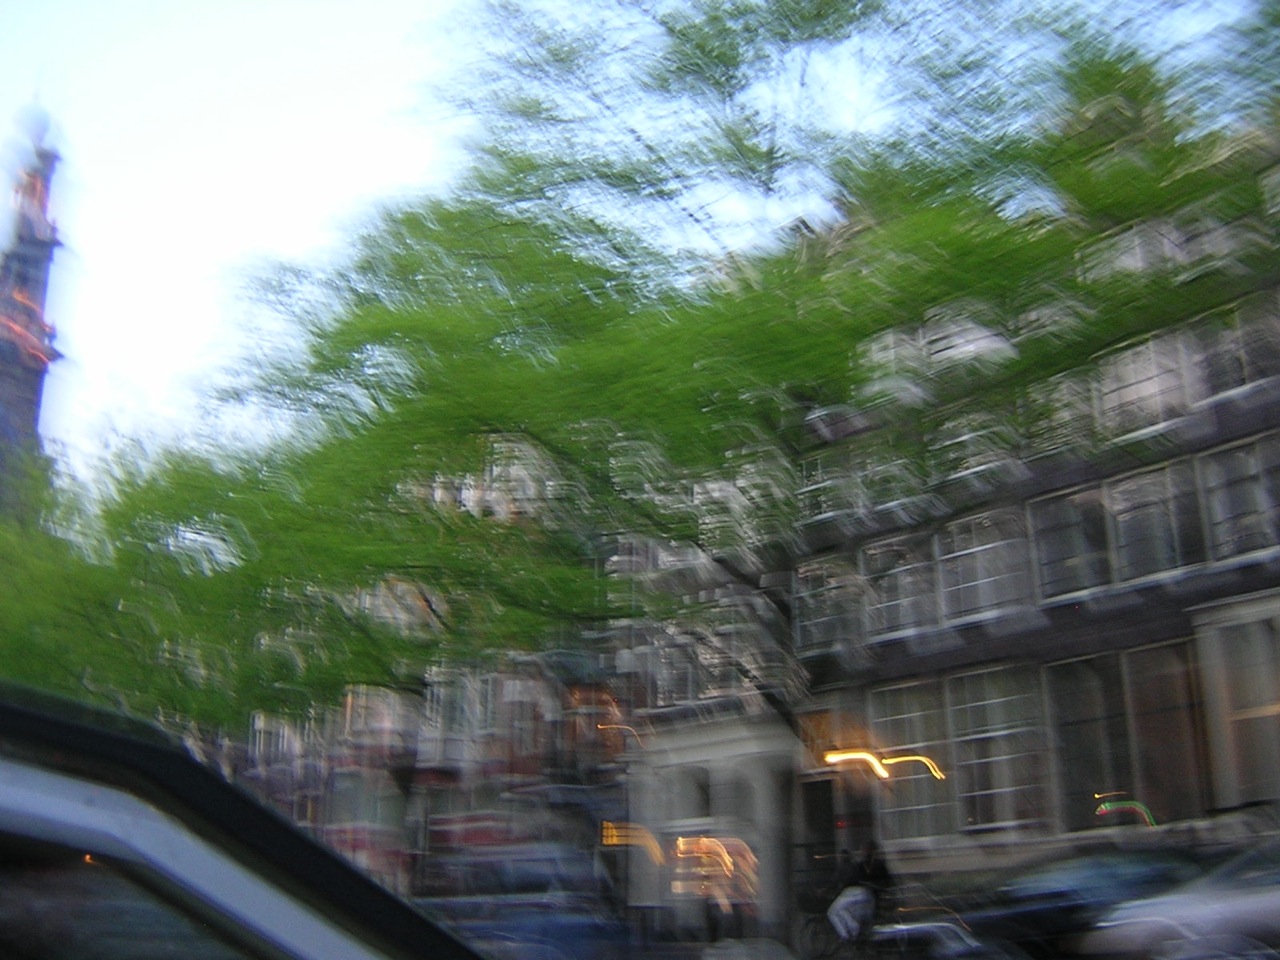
x,y
854,908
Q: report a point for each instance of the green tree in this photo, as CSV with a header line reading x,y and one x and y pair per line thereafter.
x,y
583,321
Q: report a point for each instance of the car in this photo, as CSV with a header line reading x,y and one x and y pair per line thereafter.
x,y
935,940
1233,910
1044,906
116,843
940,939
549,898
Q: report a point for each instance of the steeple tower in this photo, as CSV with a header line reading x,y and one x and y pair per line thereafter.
x,y
26,339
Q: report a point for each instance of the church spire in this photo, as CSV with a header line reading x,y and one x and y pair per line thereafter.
x,y
26,338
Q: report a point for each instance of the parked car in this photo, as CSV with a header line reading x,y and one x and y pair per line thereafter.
x,y
1233,910
1043,907
115,843
544,897
940,940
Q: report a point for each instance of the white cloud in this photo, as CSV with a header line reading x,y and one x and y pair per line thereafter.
x,y
198,138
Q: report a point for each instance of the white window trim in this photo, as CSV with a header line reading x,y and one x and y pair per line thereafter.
x,y
1208,622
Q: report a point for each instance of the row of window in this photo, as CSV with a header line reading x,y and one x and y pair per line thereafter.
x,y
1037,749
1156,734
1147,385
1184,514
1210,508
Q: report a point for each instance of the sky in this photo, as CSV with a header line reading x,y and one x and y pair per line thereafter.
x,y
203,140
200,141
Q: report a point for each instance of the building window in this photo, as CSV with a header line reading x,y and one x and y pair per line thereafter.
x,y
951,337
893,484
900,576
911,720
828,602
1242,487
1058,413
273,740
1252,658
983,564
1142,386
490,697
999,746
1239,649
1167,733
1071,542
893,353
1142,247
455,715
1156,521
1091,742
830,486
678,675
1243,349
973,445
1126,728
1239,653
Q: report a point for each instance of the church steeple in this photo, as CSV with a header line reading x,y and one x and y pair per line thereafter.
x,y
26,338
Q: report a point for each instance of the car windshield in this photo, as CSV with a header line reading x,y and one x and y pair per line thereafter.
x,y
604,478
1108,874
57,902
1257,867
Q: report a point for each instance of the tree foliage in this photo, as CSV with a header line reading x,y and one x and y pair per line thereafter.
x,y
596,318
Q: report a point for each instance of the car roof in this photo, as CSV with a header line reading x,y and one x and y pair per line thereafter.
x,y
112,749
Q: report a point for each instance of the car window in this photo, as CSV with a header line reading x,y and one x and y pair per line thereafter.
x,y
1056,878
1259,867
59,902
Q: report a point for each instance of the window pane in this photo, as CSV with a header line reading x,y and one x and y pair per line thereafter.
x,y
901,577
983,564
1143,386
58,903
910,720
1059,413
999,743
1240,491
1241,349
1170,773
1253,705
1090,734
975,443
829,599
1157,523
831,484
1071,542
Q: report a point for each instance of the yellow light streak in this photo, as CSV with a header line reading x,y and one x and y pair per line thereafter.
x,y
631,835
933,767
841,756
622,726
705,847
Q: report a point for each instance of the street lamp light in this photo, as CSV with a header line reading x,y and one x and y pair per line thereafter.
x,y
622,726
841,756
880,765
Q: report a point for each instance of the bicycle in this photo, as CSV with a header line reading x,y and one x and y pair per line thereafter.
x,y
813,937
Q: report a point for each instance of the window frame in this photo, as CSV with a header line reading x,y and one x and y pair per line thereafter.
x,y
1263,477
999,777
925,605
1100,580
1009,553
839,581
1149,377
929,698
